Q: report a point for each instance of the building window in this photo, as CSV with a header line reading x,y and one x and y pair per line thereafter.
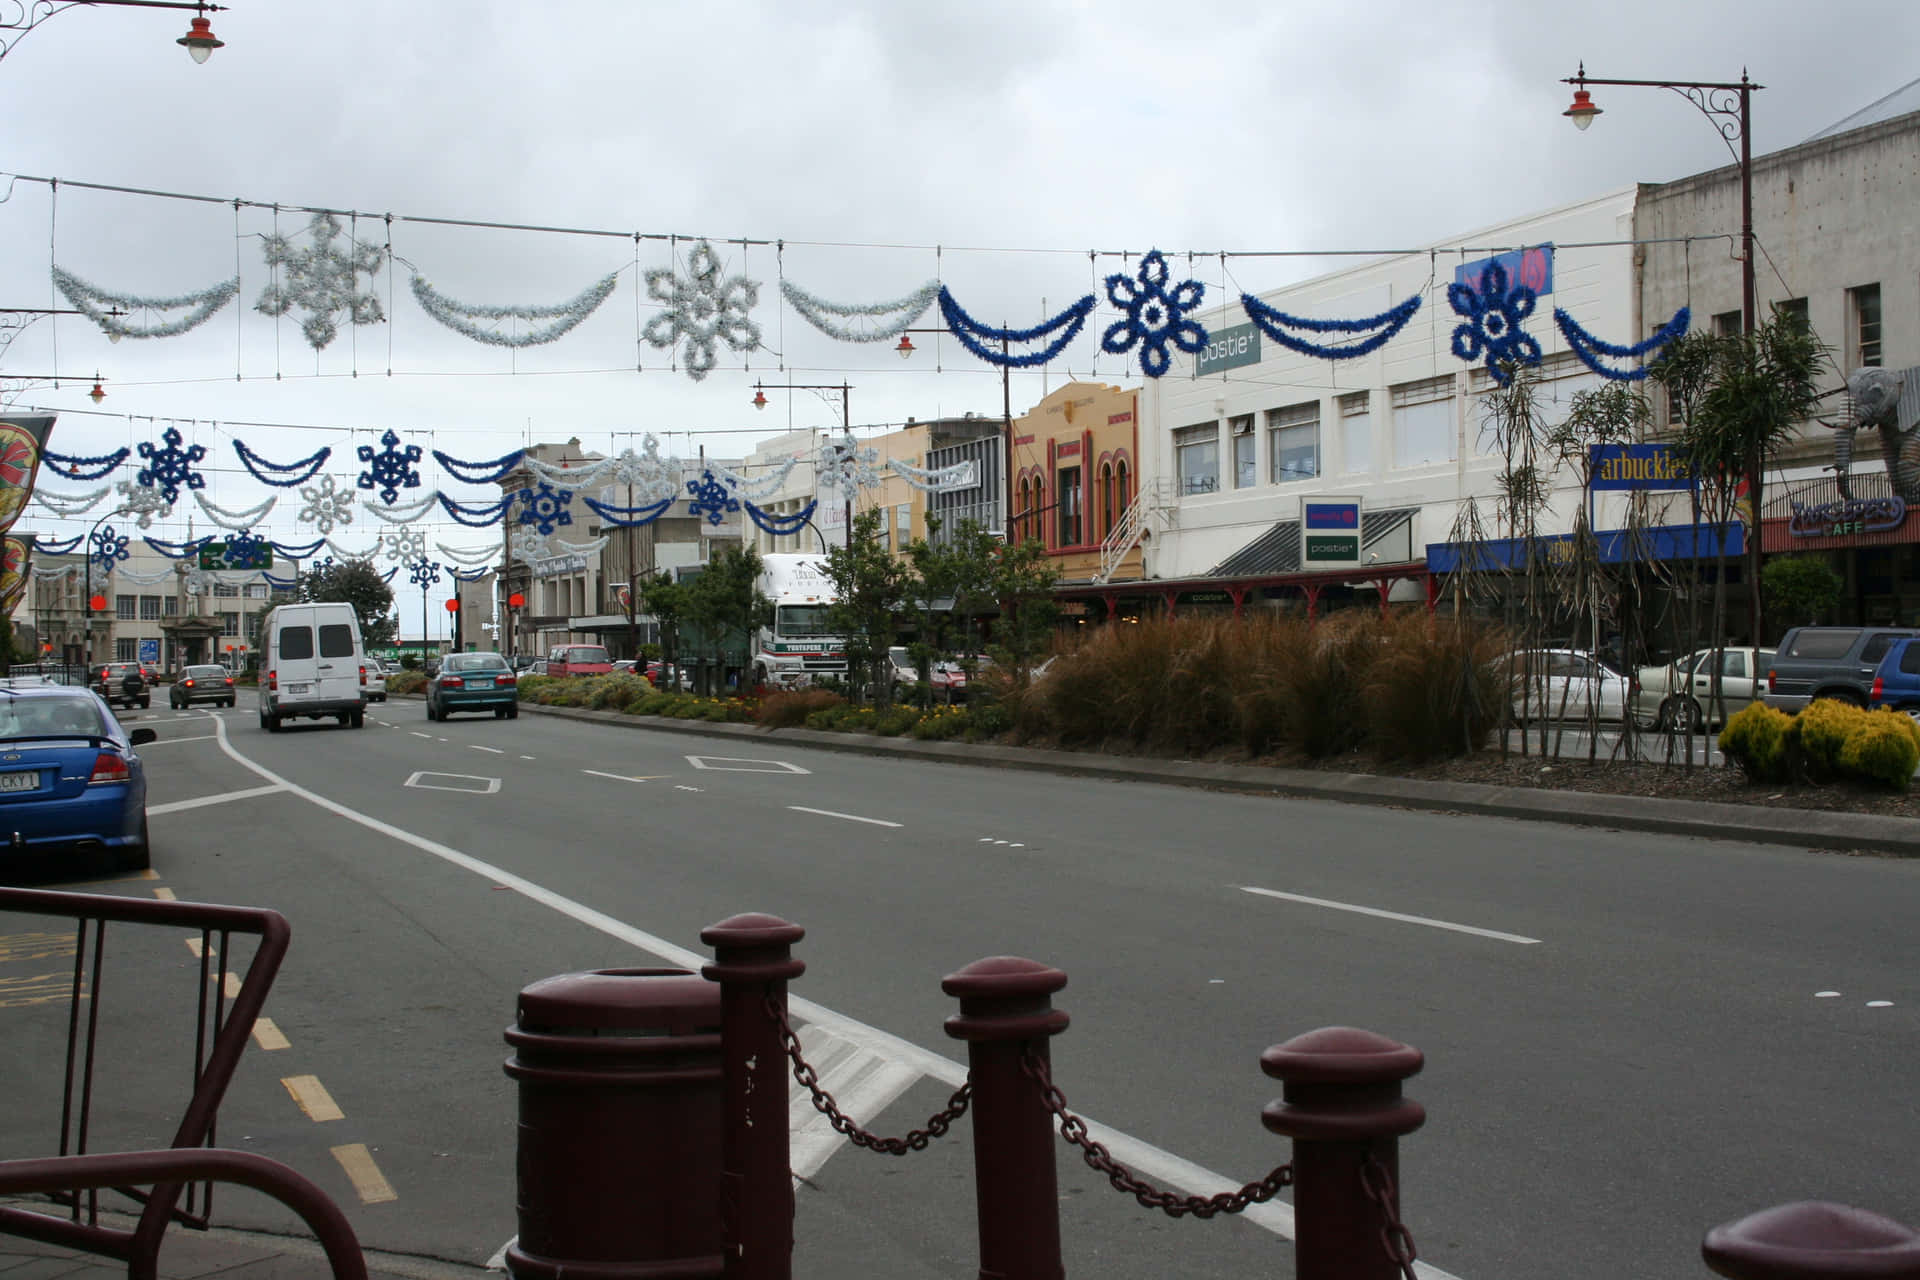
x,y
170,607
1356,431
126,649
124,607
149,608
1293,442
1423,422
256,591
1069,508
1197,450
229,624
1794,312
226,591
1245,465
1727,324
1864,303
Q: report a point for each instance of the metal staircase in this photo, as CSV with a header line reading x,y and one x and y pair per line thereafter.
x,y
1153,505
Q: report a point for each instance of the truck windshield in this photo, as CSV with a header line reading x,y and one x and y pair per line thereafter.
x,y
802,620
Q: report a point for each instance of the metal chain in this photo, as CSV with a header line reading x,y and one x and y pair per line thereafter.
x,y
843,1124
1074,1130
1377,1181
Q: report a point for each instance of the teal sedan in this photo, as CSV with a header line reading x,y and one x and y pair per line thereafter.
x,y
473,682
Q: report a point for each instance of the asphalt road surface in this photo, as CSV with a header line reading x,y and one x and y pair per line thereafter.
x,y
1629,1038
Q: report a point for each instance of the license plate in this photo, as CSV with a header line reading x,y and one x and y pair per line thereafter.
x,y
479,684
19,781
298,688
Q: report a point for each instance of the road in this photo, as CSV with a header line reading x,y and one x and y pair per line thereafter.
x,y
1629,1038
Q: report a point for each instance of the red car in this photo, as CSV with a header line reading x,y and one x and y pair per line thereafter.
x,y
579,660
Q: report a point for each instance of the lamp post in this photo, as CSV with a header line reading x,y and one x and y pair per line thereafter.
x,y
905,349
425,573
846,424
1727,107
199,42
110,547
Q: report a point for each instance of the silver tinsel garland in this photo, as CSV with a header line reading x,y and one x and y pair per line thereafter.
x,y
460,316
651,476
581,548
701,309
828,317
468,556
938,480
71,504
238,521
761,489
92,301
404,512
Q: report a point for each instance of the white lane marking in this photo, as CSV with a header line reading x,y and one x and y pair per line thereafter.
x,y
175,806
526,757
863,1082
1825,995
1879,1004
850,817
621,777
1391,915
474,746
198,737
418,734
491,786
1143,1157
728,764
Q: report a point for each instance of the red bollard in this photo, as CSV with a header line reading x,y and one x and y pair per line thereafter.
x,y
1342,1107
1004,1011
752,960
1813,1240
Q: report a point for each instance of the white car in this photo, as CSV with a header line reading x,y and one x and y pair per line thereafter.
x,y
1565,684
1679,695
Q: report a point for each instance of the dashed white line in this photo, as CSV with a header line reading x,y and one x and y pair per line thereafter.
x,y
474,746
526,757
850,817
416,733
621,777
198,737
1391,915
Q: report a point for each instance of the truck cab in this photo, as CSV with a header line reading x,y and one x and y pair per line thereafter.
x,y
798,644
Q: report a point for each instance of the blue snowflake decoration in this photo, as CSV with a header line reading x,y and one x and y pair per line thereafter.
x,y
247,550
711,498
171,469
1493,314
546,507
391,469
322,566
424,572
1154,316
108,548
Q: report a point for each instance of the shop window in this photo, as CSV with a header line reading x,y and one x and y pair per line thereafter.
x,y
1423,422
1293,442
126,649
229,624
1727,324
1245,462
1356,431
124,607
170,607
1069,508
1863,305
1197,450
226,590
149,608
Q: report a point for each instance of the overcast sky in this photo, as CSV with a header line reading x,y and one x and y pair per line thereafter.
x,y
1021,136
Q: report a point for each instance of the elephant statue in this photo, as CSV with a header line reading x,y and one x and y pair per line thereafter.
x,y
1880,398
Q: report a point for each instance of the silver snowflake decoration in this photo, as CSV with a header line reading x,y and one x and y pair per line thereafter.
x,y
848,466
322,279
701,308
652,476
528,545
404,544
327,505
143,502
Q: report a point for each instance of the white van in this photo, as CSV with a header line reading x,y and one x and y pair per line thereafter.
x,y
315,666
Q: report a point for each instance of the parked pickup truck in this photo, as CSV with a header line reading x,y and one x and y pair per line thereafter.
x,y
1828,662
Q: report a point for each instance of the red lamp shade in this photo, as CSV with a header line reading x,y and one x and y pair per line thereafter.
x,y
516,601
905,347
97,603
453,606
759,398
200,40
1582,111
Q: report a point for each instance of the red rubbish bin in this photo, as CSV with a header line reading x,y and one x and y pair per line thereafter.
x,y
620,1126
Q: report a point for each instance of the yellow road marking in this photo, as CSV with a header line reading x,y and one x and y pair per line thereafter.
x,y
148,874
194,945
165,895
45,988
231,982
35,946
269,1036
313,1098
368,1182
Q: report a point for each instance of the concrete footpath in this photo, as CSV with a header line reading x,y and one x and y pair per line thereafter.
x,y
1749,823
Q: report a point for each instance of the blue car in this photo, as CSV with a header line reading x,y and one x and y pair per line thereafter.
x,y
1896,682
473,682
70,779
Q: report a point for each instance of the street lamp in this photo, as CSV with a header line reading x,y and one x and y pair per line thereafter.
x,y
199,42
905,349
1726,107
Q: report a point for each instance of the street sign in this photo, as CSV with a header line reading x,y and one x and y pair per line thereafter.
x,y
213,555
150,651
1329,533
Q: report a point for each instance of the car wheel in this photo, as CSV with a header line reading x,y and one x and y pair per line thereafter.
x,y
358,720
146,702
431,713
272,723
499,713
1687,717
513,712
141,857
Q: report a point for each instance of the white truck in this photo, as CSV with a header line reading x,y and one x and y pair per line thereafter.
x,y
799,645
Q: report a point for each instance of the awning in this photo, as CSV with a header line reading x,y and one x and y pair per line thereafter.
x,y
1617,546
1277,550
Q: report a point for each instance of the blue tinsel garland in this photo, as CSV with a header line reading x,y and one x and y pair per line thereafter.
x,y
969,331
476,515
283,584
1585,345
85,468
264,471
479,472
1493,314
1274,323
468,575
59,548
177,550
781,526
628,517
1154,316
299,553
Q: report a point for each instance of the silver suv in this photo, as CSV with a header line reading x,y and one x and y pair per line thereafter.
x,y
1827,662
121,684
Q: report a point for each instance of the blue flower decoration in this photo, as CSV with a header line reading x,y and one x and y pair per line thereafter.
x,y
1154,317
109,548
171,469
546,508
424,572
710,498
1492,330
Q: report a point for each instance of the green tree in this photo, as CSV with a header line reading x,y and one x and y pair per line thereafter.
x,y
953,588
873,590
1755,391
724,604
666,600
1801,588
359,584
1023,580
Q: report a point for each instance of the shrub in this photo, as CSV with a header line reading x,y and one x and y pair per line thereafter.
x,y
617,691
529,686
1755,739
790,710
407,682
943,725
652,704
989,721
1819,733
894,721
1881,748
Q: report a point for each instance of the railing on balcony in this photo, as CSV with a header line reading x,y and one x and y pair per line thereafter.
x,y
1152,506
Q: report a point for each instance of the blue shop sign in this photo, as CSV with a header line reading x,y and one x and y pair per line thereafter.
x,y
1639,466
1530,267
1666,542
